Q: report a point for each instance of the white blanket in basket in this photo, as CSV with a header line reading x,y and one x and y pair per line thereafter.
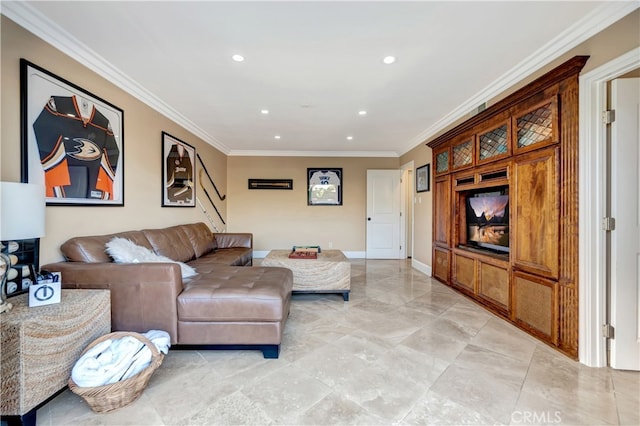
x,y
117,359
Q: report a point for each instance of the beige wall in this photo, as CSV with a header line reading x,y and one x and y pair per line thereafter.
x,y
422,207
142,149
614,41
282,218
619,38
277,218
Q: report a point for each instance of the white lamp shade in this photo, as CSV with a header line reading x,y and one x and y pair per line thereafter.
x,y
22,211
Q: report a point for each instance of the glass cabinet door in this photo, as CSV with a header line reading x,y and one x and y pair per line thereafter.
x,y
494,143
537,126
462,154
442,161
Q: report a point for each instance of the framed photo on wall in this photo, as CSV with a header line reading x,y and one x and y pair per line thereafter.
x,y
423,178
72,141
178,172
324,186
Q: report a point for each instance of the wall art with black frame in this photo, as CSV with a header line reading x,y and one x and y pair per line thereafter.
x,y
72,140
324,186
423,178
178,172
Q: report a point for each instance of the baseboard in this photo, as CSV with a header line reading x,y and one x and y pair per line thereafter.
x,y
260,254
422,267
355,254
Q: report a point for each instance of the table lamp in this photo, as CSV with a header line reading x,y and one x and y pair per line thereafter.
x,y
22,216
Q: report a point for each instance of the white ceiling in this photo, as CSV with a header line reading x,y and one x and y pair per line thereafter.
x,y
313,65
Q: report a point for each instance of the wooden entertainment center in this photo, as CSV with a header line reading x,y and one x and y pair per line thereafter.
x,y
526,146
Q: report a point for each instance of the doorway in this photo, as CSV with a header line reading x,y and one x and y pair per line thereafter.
x,y
623,286
594,171
383,214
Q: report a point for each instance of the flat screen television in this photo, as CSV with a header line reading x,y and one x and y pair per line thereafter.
x,y
488,220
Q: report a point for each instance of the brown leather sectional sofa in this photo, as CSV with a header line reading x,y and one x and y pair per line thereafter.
x,y
228,304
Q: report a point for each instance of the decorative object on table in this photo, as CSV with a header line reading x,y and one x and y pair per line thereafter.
x,y
423,178
304,252
72,141
324,186
178,172
46,290
270,183
312,249
118,393
303,255
22,209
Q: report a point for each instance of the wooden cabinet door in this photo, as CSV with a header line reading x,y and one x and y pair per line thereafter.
x,y
441,262
442,211
464,272
535,305
493,285
535,214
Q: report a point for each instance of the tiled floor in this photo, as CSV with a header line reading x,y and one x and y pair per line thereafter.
x,y
405,350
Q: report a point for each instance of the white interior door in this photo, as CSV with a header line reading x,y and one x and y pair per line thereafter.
x,y
625,239
383,214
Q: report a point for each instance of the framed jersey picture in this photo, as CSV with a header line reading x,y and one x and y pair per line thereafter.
x,y
178,172
72,141
324,187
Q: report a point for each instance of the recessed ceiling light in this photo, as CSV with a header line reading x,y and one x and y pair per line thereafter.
x,y
349,138
389,59
264,111
276,137
238,58
362,112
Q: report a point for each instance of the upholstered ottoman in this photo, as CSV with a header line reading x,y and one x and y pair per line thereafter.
x,y
242,306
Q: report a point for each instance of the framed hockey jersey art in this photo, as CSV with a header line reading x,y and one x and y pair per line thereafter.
x,y
72,141
324,187
178,172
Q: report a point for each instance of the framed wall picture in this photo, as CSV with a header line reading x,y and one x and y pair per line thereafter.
x,y
270,183
178,172
324,186
72,141
423,178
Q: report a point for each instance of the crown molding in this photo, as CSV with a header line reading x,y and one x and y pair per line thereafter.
x,y
272,153
32,20
600,18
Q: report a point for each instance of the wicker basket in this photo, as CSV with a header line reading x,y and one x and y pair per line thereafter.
x,y
110,397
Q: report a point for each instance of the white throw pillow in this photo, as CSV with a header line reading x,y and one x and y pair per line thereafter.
x,y
123,250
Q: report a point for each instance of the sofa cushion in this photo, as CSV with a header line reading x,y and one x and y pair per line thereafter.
x,y
125,251
201,238
237,256
92,249
228,294
171,242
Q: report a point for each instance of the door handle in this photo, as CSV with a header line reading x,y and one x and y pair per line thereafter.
x,y
368,218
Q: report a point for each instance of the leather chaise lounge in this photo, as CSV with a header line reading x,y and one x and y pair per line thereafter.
x,y
229,303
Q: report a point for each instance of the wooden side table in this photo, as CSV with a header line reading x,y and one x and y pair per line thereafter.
x,y
40,345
